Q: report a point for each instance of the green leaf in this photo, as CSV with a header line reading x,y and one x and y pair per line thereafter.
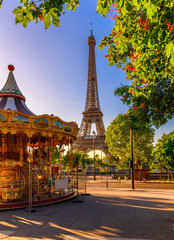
x,y
68,6
172,60
120,4
47,21
56,21
15,11
169,49
150,8
24,23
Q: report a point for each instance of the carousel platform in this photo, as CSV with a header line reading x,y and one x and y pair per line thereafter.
x,y
44,200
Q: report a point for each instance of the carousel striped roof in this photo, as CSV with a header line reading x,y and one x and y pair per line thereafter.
x,y
11,96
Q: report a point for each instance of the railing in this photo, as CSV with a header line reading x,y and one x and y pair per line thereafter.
x,y
38,182
46,183
27,179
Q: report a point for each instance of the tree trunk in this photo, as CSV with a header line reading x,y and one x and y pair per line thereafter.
x,y
168,173
172,174
127,174
139,175
160,174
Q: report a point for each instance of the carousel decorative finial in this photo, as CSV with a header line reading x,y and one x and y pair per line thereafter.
x,y
11,67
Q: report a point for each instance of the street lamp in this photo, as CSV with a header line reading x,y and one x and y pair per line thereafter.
x,y
131,160
93,133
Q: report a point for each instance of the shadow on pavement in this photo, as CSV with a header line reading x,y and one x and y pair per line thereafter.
x,y
132,216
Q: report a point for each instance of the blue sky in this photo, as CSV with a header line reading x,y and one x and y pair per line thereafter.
x,y
51,67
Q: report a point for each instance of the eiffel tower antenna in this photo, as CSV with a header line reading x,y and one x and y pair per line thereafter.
x,y
92,114
91,29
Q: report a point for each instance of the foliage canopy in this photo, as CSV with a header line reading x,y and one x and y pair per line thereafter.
x,y
47,11
164,152
118,140
142,44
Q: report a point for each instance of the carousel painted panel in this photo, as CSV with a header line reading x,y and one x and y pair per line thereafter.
x,y
68,128
2,119
58,125
20,120
40,123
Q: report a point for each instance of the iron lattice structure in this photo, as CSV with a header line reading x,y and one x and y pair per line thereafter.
x,y
92,113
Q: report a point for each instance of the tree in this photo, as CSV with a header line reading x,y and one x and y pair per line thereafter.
x,y
163,154
118,140
84,159
47,11
55,155
142,44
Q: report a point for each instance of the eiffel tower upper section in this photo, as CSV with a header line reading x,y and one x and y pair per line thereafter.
x,y
92,113
92,99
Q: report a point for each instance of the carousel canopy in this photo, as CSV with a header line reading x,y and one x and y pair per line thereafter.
x,y
15,117
11,96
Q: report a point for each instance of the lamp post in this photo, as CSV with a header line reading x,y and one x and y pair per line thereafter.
x,y
93,133
131,160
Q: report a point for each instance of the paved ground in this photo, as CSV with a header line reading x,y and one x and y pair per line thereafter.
x,y
113,214
103,182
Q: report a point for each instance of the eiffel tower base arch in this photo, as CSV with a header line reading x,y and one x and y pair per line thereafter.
x,y
87,144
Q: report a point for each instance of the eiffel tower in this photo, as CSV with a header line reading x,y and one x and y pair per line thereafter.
x,y
92,113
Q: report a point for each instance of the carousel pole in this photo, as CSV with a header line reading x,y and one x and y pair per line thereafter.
x,y
59,162
68,160
54,179
53,155
69,181
63,162
72,176
30,209
30,185
49,160
71,165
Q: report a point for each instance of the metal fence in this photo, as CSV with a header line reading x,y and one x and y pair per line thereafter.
x,y
17,186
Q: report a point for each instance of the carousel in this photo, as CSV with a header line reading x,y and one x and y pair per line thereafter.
x,y
27,144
